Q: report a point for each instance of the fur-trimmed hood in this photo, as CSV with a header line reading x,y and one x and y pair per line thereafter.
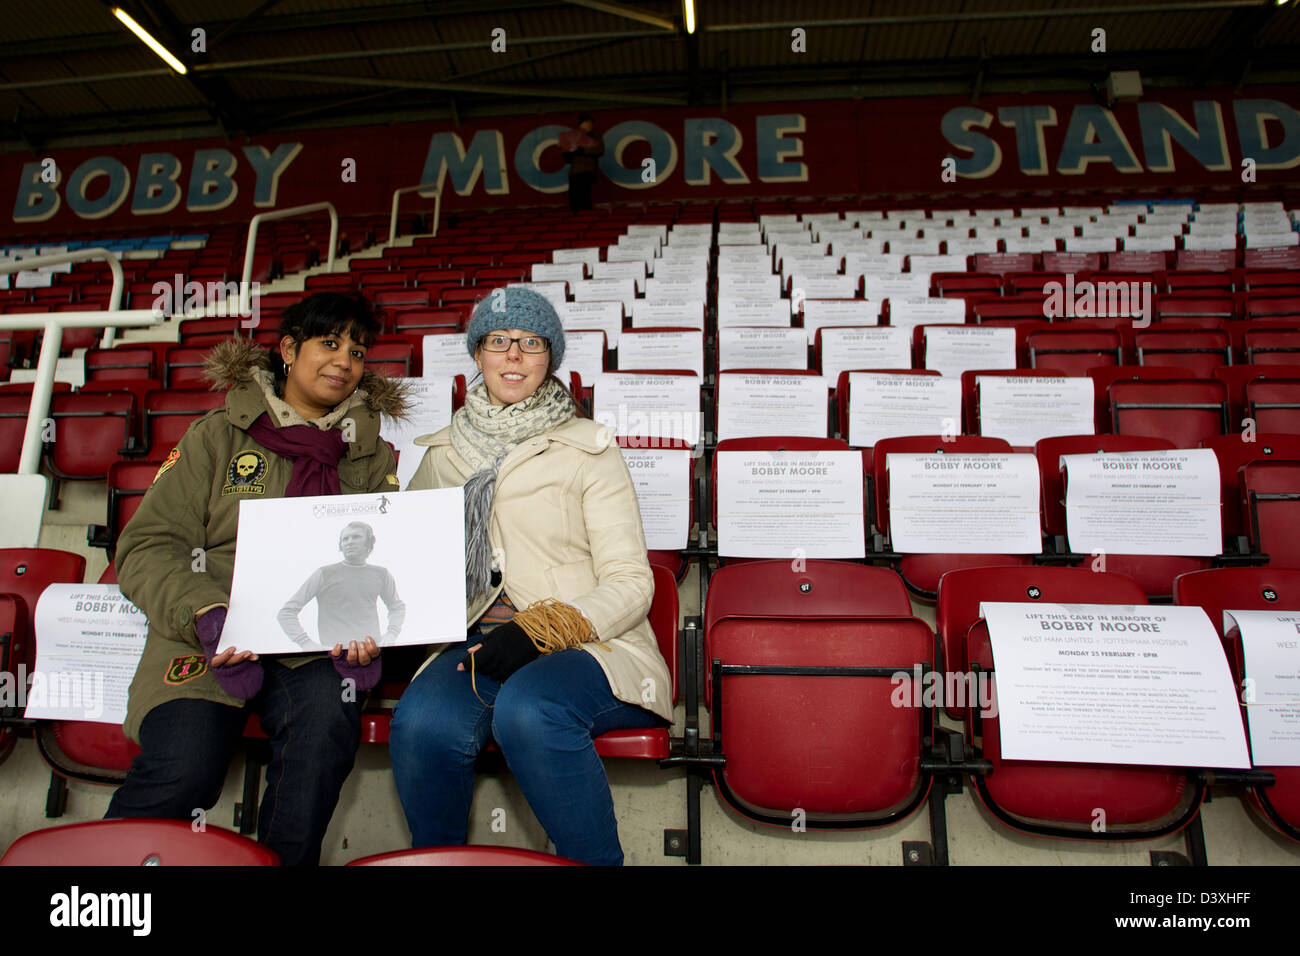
x,y
233,361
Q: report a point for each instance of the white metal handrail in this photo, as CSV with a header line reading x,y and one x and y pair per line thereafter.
x,y
43,387
437,208
245,287
78,255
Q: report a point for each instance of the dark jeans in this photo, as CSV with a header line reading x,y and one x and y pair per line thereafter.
x,y
580,191
186,746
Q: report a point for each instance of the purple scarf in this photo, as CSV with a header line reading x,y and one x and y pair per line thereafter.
x,y
315,454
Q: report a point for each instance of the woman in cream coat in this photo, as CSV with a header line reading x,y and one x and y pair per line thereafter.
x,y
551,516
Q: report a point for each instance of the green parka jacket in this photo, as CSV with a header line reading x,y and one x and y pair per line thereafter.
x,y
193,504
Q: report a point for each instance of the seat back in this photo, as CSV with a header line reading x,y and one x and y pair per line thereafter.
x,y
1185,412
1274,404
137,842
1271,507
832,744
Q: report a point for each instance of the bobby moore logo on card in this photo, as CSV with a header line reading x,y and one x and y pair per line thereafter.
x,y
372,506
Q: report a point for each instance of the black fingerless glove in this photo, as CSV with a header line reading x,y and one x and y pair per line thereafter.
x,y
505,649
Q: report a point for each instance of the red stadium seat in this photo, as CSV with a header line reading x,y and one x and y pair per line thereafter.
x,y
1251,589
168,413
1201,350
1183,411
140,842
26,573
1059,799
788,679
1274,404
92,430
1074,350
1233,452
1270,497
464,856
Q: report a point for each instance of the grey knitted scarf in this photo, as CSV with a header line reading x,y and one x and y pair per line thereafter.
x,y
483,434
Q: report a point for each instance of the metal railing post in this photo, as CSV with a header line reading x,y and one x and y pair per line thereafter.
x,y
53,324
79,255
245,285
437,208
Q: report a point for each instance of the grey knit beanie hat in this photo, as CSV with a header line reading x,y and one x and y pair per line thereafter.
x,y
515,307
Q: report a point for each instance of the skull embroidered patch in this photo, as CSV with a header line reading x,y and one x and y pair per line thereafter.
x,y
245,473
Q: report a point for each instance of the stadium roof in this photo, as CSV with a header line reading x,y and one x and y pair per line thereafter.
x,y
70,73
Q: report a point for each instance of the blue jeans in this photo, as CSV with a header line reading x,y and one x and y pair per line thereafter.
x,y
544,718
186,746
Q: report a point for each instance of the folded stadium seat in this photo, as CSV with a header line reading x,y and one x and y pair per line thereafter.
x,y
1266,346
92,430
13,627
961,591
127,361
1201,350
184,367
1237,376
970,393
390,358
14,405
168,414
1182,410
417,320
1025,284
469,260
369,283
921,572
968,284
25,573
771,443
388,299
1205,311
842,398
772,639
435,276
216,328
1272,307
499,275
1233,451
468,855
329,282
1105,376
1059,799
466,296
1199,282
1074,350
1260,280
364,267
138,842
1155,573
1250,589
1270,499
1008,310
1274,404
127,483
526,260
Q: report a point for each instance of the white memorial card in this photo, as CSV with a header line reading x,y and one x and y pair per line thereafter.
x,y
1113,684
429,412
1143,502
89,639
649,406
648,313
662,479
770,312
952,350
754,406
606,316
964,504
740,347
895,406
788,504
858,348
651,349
1023,409
822,312
1270,642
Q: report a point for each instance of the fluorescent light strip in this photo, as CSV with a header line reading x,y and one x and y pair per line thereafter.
x,y
149,41
688,7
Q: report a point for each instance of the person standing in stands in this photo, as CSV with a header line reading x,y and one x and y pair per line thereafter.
x,y
280,434
581,148
557,591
